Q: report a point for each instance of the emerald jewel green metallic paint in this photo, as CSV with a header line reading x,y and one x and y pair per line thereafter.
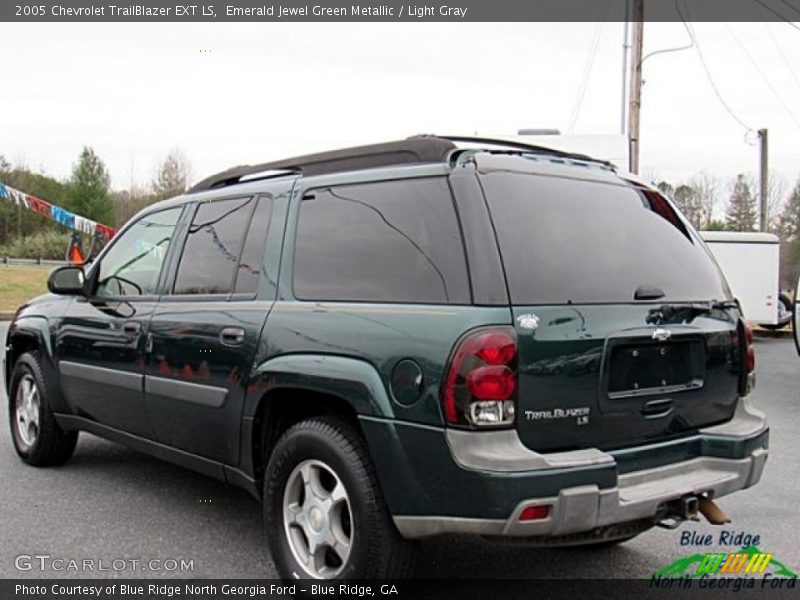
x,y
563,365
349,350
368,341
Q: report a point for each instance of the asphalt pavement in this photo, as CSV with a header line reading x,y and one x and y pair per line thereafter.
x,y
111,504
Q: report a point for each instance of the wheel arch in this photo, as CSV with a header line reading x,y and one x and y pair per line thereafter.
x,y
29,334
288,389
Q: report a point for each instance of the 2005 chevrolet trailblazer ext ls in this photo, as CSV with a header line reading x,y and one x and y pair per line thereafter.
x,y
385,343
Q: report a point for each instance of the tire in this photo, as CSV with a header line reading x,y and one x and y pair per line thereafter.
x,y
320,488
786,301
38,439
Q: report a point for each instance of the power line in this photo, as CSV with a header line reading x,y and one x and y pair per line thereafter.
x,y
707,71
676,48
587,69
783,55
777,14
794,8
761,72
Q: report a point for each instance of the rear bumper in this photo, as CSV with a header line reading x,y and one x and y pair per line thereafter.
x,y
485,480
638,495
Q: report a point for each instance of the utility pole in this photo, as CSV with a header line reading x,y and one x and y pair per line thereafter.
x,y
635,94
762,205
626,45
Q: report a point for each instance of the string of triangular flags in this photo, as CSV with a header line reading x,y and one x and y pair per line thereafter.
x,y
54,212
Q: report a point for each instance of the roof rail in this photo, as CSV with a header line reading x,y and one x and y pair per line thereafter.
x,y
522,146
240,174
415,150
419,149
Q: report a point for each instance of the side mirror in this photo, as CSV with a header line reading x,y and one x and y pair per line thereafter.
x,y
67,281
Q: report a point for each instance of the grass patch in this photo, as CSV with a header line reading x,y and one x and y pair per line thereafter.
x,y
21,283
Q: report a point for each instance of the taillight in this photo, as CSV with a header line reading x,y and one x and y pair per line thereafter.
x,y
744,340
751,351
480,387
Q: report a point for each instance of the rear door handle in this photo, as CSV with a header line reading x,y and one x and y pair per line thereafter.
x,y
232,336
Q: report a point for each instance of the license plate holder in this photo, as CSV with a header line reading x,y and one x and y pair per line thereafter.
x,y
654,367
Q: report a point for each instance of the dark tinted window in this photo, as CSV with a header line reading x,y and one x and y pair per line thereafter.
x,y
564,240
252,260
132,265
211,251
395,241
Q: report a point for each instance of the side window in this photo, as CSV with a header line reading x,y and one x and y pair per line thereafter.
x,y
252,260
211,251
132,265
391,241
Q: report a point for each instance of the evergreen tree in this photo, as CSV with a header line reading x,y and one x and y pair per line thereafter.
x,y
665,188
89,188
716,225
741,212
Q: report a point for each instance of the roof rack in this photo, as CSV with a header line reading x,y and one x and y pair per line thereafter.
x,y
415,150
525,147
419,149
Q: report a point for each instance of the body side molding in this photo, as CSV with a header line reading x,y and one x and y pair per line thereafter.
x,y
124,379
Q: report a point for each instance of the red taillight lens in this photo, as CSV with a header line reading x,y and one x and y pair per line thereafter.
x,y
491,383
751,351
481,381
497,348
743,342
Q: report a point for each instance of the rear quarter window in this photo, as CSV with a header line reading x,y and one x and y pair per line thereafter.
x,y
575,241
390,241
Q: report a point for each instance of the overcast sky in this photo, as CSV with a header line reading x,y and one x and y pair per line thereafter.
x,y
228,94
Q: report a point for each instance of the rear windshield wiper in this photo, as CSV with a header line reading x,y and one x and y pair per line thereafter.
x,y
665,312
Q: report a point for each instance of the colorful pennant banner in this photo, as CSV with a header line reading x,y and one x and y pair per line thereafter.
x,y
56,213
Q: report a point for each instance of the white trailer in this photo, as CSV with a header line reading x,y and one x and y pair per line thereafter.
x,y
796,311
751,263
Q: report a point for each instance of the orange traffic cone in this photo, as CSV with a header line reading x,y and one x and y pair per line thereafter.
x,y
75,250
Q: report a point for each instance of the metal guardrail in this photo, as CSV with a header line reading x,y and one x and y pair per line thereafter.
x,y
8,261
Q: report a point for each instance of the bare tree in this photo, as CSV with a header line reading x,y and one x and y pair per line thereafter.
x,y
650,174
688,201
789,220
776,197
706,186
129,202
172,176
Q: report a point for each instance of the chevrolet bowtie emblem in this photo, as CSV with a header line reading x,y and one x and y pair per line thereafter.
x,y
662,335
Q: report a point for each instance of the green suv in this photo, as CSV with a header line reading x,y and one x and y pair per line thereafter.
x,y
391,342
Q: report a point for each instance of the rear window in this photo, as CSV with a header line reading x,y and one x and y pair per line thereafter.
x,y
569,241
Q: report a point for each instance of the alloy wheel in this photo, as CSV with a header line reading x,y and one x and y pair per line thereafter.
x,y
318,519
28,410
